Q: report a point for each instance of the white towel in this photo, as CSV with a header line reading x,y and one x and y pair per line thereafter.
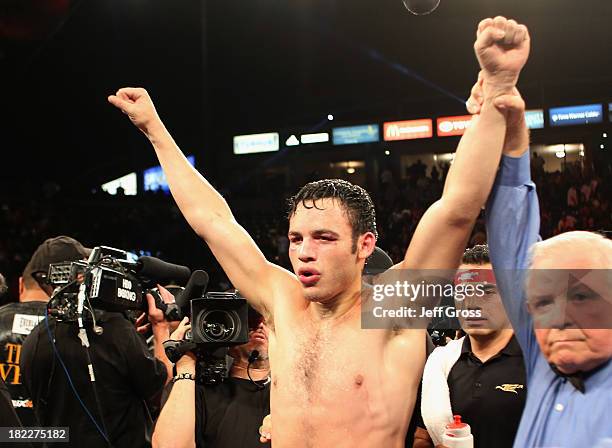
x,y
435,398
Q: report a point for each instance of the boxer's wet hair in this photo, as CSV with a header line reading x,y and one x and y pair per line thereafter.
x,y
356,201
478,254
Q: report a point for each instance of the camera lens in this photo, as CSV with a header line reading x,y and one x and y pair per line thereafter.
x,y
219,325
216,330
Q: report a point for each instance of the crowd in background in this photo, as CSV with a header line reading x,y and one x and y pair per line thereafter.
x,y
151,224
573,199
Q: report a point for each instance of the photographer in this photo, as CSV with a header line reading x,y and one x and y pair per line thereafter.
x,y
222,415
109,410
480,376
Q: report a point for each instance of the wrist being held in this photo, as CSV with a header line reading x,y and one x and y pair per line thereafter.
x,y
497,89
160,325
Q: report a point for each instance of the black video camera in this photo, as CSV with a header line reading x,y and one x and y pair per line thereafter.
x,y
111,279
219,320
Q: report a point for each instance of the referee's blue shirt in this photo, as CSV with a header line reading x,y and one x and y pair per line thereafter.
x,y
556,414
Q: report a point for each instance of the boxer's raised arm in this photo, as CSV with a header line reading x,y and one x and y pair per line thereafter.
x,y
205,209
502,48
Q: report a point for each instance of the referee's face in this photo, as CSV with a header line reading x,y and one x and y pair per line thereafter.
x,y
569,299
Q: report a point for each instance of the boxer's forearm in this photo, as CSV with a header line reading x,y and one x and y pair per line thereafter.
x,y
211,218
473,170
198,201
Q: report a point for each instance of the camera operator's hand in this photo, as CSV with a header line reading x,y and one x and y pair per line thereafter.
x,y
187,363
142,326
160,327
181,330
156,316
136,104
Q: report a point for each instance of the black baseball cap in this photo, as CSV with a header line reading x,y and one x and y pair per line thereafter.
x,y
54,250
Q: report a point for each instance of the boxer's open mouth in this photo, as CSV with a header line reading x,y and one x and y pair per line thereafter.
x,y
308,276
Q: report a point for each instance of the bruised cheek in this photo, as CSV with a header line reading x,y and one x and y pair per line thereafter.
x,y
292,259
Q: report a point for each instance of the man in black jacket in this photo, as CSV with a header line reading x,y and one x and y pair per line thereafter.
x,y
111,409
98,391
19,318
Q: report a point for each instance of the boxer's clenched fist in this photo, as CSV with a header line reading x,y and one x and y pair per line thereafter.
x,y
502,48
136,104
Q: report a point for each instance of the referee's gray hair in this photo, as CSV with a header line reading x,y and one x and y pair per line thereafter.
x,y
579,241
595,244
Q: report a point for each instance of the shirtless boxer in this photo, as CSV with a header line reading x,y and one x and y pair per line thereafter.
x,y
335,384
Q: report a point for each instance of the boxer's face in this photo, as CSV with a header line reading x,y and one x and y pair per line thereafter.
x,y
320,249
571,310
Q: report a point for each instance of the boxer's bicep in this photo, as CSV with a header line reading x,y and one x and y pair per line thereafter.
x,y
251,274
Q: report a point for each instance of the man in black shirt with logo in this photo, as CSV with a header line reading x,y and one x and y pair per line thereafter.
x,y
481,376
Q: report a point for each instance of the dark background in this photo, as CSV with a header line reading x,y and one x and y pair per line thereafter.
x,y
220,68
